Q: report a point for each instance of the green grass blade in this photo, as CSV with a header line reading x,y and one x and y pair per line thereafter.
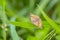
x,y
31,4
40,34
51,22
51,4
3,18
42,4
14,34
50,35
24,24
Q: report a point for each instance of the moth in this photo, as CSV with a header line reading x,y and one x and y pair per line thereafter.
x,y
36,20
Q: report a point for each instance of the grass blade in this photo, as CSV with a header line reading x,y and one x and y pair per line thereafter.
x,y
51,22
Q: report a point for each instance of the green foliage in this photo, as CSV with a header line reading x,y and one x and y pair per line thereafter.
x,y
15,23
58,37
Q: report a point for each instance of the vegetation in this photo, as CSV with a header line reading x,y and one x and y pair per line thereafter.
x,y
15,22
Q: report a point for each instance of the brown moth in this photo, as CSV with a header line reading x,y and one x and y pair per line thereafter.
x,y
36,20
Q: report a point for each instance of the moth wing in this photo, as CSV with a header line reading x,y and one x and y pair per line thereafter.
x,y
36,20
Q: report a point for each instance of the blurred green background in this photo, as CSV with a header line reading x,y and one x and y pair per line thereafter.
x,y
15,23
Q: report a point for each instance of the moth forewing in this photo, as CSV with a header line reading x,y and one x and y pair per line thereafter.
x,y
36,20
